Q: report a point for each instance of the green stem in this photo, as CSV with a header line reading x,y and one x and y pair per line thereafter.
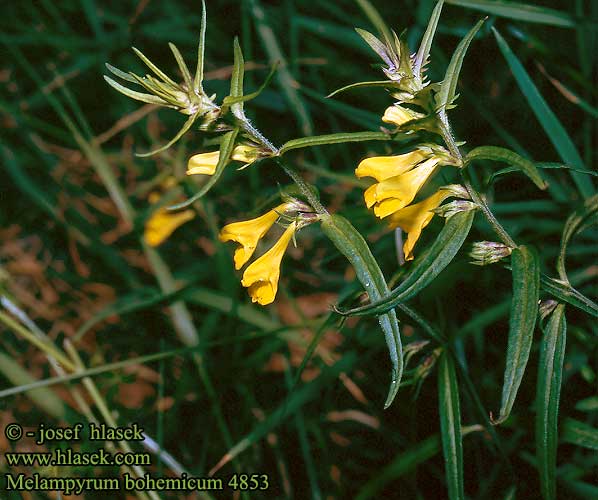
x,y
497,226
305,188
447,135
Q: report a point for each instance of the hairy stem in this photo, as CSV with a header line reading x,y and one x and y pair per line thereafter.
x,y
476,197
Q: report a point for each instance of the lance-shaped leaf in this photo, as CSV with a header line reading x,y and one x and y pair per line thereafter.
x,y
236,81
184,129
377,46
375,18
158,72
182,65
507,156
138,96
425,268
340,138
550,375
229,100
421,58
198,79
566,293
578,220
525,269
226,148
352,245
446,95
377,83
450,426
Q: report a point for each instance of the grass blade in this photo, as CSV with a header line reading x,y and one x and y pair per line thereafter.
x,y
519,11
549,121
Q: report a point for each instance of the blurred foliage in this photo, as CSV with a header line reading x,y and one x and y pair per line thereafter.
x,y
73,261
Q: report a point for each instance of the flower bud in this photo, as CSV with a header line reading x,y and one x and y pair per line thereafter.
x,y
546,307
455,207
488,252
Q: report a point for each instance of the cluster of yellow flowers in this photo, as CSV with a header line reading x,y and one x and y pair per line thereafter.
x,y
261,276
399,179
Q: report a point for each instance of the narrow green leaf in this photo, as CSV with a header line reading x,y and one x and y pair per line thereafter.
x,y
507,156
519,11
421,58
236,81
550,123
566,293
588,213
154,68
352,245
450,426
184,129
229,100
375,18
226,149
362,85
426,267
524,310
182,65
340,138
580,434
120,73
550,375
201,47
377,46
138,96
446,95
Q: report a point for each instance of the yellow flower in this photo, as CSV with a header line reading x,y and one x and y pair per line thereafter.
x,y
398,115
401,189
162,223
414,218
261,277
248,233
205,163
385,167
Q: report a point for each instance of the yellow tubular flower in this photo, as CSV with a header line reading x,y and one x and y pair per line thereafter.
x,y
414,218
205,163
162,224
248,233
398,115
261,277
401,188
385,167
